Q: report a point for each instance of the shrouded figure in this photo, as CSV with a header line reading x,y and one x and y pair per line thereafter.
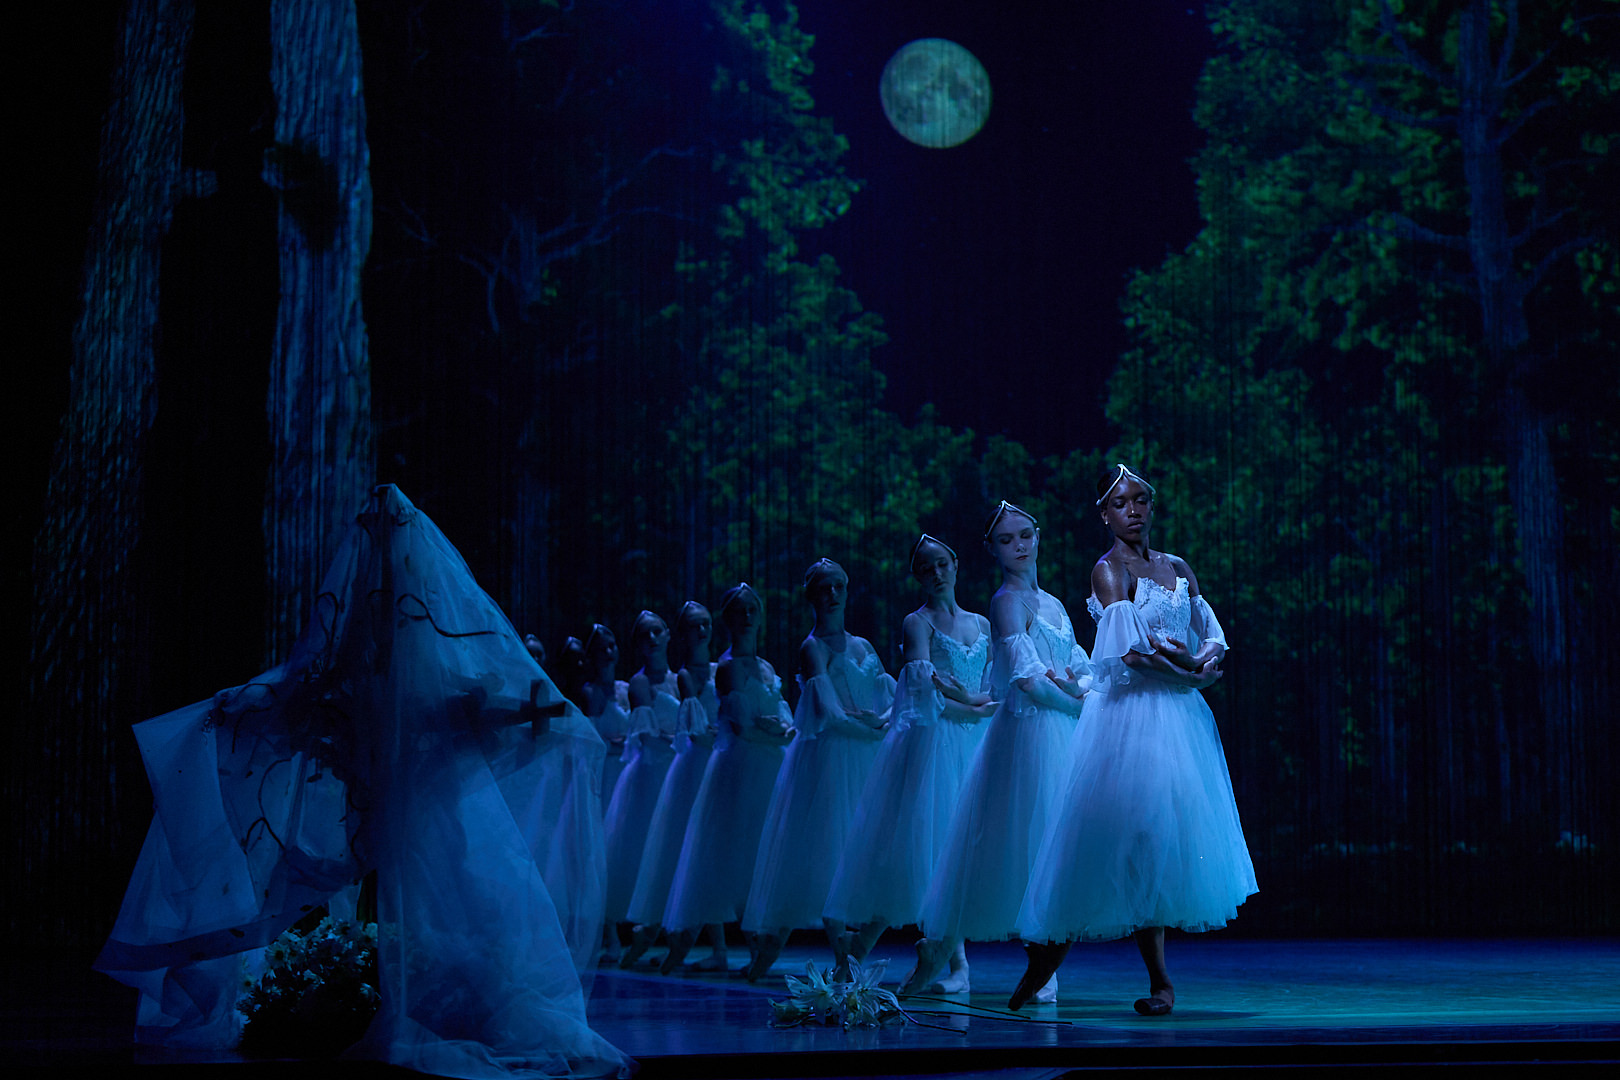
x,y
380,745
905,810
845,696
1040,676
1147,835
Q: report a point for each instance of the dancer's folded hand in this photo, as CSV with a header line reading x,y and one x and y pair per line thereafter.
x,y
1177,653
951,687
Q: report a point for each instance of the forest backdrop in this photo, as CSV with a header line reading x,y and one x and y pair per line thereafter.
x,y
571,291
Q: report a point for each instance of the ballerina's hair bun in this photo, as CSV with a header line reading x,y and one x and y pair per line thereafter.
x,y
595,636
1003,508
689,613
819,569
643,624
737,592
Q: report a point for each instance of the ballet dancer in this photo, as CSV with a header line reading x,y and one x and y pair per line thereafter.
x,y
1040,676
1147,834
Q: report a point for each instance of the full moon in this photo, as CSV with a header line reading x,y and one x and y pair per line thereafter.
x,y
935,93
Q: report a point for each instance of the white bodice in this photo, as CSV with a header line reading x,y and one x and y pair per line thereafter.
x,y
965,662
1167,612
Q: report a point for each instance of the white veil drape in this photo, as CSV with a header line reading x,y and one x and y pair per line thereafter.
x,y
409,732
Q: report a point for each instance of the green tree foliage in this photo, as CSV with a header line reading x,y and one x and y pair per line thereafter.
x,y
781,452
1330,388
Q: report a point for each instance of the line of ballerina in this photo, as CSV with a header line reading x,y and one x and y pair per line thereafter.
x,y
412,763
1006,786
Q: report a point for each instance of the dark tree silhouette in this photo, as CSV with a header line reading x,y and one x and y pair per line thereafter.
x,y
88,639
319,400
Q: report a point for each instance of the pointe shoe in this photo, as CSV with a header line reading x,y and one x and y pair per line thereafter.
x,y
957,981
1026,991
931,960
1155,1005
841,947
715,961
640,942
1039,981
680,943
862,941
770,947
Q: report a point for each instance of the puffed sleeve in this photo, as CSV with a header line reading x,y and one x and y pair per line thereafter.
x,y
886,687
692,718
1205,626
1017,654
643,724
1121,630
818,707
917,703
1012,658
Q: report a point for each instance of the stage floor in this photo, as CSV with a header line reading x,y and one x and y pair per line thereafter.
x,y
1239,1003
1286,1006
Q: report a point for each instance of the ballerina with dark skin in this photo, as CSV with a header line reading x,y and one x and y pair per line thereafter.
x,y
1126,509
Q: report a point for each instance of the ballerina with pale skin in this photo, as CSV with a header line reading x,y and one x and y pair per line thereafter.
x,y
1041,677
1148,832
716,865
840,721
905,811
649,753
696,729
606,701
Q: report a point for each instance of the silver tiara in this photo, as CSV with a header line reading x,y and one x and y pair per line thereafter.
x,y
1122,471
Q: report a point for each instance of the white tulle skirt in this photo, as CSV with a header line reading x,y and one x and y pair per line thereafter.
x,y
900,830
1005,806
629,818
550,785
808,822
722,836
664,836
1147,833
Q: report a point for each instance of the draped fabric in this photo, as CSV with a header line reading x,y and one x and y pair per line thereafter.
x,y
382,744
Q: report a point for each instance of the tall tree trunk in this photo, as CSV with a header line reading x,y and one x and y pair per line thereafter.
x,y
319,401
87,649
1532,480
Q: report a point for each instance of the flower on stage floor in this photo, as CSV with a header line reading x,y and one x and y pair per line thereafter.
x,y
822,997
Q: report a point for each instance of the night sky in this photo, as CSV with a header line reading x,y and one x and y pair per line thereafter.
x,y
998,265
